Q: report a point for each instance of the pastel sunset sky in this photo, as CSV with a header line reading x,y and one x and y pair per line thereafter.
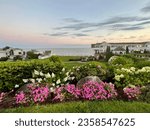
x,y
72,23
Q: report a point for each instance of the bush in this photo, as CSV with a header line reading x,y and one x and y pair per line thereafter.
x,y
137,77
141,64
55,59
132,93
122,61
12,73
145,95
31,55
90,69
3,58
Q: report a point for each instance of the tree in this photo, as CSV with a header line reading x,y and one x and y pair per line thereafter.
x,y
127,50
108,53
31,55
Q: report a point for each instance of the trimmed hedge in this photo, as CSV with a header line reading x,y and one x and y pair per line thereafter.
x,y
12,73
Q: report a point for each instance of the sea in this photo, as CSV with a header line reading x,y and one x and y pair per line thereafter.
x,y
69,51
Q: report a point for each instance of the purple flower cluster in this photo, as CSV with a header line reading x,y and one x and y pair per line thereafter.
x,y
98,91
40,94
37,94
132,93
20,98
89,91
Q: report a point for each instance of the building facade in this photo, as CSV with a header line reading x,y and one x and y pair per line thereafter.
x,y
121,48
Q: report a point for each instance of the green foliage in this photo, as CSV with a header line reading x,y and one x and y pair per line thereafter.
x,y
145,96
89,69
31,55
132,77
12,73
17,58
55,59
122,61
3,58
141,64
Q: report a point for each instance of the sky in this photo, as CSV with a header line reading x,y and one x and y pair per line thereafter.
x,y
72,23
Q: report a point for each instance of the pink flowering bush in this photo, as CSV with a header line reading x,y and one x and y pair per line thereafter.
x,y
89,91
38,93
132,93
67,92
98,91
21,98
34,93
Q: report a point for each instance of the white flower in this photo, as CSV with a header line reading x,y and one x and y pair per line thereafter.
x,y
32,80
36,72
25,80
67,73
47,75
16,86
132,68
39,80
72,78
51,89
53,75
53,84
41,74
65,79
121,76
58,81
71,73
63,69
117,77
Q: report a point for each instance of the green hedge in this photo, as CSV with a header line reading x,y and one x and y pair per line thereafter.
x,y
12,73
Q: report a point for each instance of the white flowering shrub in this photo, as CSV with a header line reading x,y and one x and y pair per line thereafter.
x,y
127,77
53,80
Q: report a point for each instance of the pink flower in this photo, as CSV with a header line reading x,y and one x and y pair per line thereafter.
x,y
132,93
20,98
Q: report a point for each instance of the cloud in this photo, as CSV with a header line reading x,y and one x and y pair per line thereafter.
x,y
80,34
143,23
56,34
146,9
72,20
132,28
115,21
79,26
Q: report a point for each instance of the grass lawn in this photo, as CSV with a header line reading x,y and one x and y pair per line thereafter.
x,y
84,107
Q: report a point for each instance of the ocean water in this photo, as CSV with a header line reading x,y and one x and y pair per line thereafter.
x,y
70,51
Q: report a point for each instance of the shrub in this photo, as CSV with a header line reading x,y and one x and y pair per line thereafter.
x,y
21,98
55,59
138,77
34,93
12,73
99,91
53,80
120,60
145,94
31,55
66,92
90,69
3,58
132,93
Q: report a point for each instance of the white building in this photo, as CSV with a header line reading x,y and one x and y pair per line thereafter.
x,y
121,48
12,52
3,53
